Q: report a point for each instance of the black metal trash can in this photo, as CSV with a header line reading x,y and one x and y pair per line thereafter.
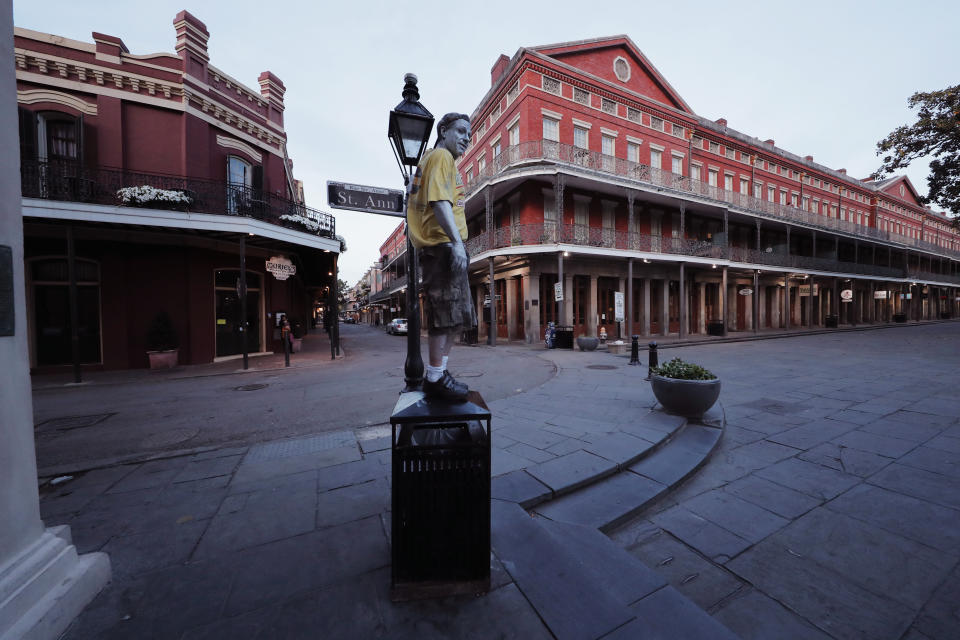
x,y
563,339
440,498
715,328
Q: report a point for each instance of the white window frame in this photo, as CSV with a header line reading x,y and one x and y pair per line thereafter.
x,y
604,140
554,135
656,149
585,131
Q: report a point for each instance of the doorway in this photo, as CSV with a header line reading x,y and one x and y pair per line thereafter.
x,y
51,311
229,329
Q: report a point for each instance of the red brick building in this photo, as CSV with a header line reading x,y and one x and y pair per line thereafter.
x,y
96,120
392,296
587,169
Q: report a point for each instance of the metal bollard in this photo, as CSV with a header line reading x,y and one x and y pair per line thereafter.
x,y
635,350
652,358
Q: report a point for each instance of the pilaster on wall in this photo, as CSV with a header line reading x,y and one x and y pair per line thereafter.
x,y
43,582
192,37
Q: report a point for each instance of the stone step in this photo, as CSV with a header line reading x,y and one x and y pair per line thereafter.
x,y
611,501
605,455
584,586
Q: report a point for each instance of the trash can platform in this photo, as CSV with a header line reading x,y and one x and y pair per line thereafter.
x,y
440,531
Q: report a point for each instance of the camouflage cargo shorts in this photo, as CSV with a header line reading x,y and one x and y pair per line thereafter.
x,y
446,292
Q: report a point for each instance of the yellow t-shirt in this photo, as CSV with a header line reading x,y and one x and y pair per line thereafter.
x,y
436,179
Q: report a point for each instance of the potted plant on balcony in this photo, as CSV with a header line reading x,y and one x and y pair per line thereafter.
x,y
684,388
163,345
151,197
587,343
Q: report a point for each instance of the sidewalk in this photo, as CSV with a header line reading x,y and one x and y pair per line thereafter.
x,y
832,497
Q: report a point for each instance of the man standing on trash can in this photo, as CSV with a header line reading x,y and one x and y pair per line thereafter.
x,y
438,228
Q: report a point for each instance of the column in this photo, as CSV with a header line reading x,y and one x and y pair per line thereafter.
x,y
628,326
810,299
835,300
761,294
786,292
39,567
531,312
492,337
513,332
701,308
684,319
592,307
621,327
645,309
567,314
871,304
665,308
561,315
725,292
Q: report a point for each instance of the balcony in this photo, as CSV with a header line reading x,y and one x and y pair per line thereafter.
x,y
72,182
528,235
548,151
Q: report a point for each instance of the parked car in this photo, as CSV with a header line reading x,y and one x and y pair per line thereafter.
x,y
397,326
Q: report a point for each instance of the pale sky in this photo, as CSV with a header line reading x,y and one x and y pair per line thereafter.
x,y
828,79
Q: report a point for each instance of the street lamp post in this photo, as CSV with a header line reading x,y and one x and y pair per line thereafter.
x,y
409,131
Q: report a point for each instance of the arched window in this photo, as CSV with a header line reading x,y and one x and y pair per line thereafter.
x,y
244,186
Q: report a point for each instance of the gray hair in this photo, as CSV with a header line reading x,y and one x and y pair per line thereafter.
x,y
447,120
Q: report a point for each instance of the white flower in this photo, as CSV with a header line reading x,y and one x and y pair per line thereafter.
x,y
146,194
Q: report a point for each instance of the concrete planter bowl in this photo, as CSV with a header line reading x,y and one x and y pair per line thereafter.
x,y
163,359
688,398
588,343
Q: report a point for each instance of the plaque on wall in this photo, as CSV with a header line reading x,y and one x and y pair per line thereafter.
x,y
6,291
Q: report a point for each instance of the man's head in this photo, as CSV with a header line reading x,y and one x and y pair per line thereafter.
x,y
453,133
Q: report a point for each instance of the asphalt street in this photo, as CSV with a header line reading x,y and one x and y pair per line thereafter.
x,y
151,413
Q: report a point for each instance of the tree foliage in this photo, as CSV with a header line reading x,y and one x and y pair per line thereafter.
x,y
936,133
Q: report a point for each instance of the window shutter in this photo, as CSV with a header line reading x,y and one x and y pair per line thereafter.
x,y
78,123
28,135
257,179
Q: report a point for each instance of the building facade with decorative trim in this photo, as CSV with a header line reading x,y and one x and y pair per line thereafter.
x,y
148,183
588,170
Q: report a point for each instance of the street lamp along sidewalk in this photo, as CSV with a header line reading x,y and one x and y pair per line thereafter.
x,y
409,132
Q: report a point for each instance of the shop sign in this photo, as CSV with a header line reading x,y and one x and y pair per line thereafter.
x,y
846,295
805,290
618,306
281,267
745,292
879,295
357,197
558,291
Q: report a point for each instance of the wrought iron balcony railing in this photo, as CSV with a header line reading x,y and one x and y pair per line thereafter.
x,y
548,233
548,151
73,182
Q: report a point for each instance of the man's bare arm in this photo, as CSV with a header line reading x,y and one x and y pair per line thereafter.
x,y
443,212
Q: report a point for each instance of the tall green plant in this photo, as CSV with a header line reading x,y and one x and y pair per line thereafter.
x,y
162,336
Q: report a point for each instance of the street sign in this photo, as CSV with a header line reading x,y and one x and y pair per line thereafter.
x,y
745,291
805,290
879,295
357,197
618,306
558,291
